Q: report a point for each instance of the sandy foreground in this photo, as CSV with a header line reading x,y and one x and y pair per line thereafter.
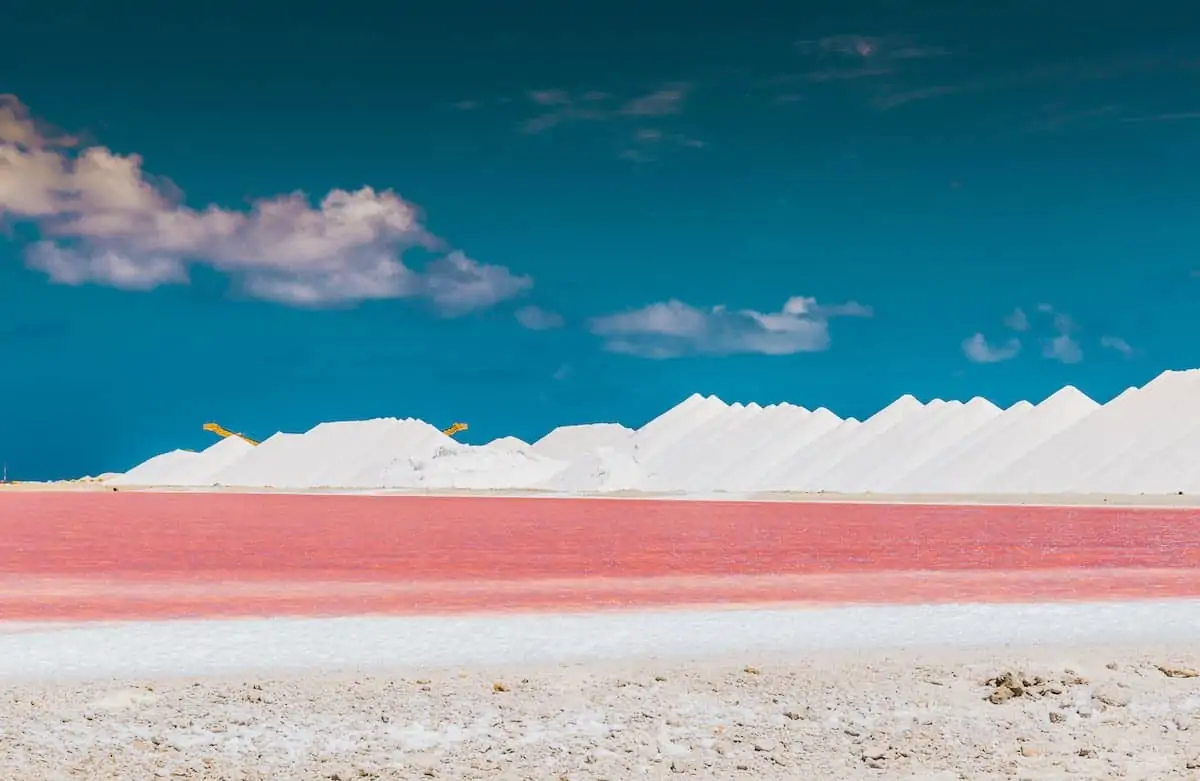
x,y
1055,713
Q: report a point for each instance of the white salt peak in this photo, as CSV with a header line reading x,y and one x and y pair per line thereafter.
x,y
786,442
156,470
666,466
1058,463
916,440
739,444
203,469
566,442
1146,440
937,474
258,467
803,472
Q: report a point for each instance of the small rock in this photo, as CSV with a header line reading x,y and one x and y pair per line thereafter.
x,y
765,745
1001,694
1113,697
1030,751
874,752
751,670
1177,672
499,687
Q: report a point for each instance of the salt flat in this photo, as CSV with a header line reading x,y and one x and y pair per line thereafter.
x,y
173,648
856,694
1031,500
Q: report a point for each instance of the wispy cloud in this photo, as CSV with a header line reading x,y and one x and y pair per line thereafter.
x,y
560,107
647,143
537,319
672,329
660,103
894,71
1118,344
874,49
888,99
103,221
979,350
1057,117
1180,116
881,66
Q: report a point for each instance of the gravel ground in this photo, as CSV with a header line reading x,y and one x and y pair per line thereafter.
x,y
1036,714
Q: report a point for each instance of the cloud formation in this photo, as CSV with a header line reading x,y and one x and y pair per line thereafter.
x,y
1118,344
647,143
537,319
104,221
1063,347
850,57
558,107
1017,320
673,328
979,350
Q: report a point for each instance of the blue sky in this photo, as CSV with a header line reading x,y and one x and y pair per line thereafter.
x,y
274,214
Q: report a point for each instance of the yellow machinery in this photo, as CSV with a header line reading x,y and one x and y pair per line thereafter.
x,y
223,432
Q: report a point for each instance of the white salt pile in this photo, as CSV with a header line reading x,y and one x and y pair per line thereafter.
x,y
203,468
566,442
803,471
1025,427
257,467
599,470
509,445
1147,440
156,471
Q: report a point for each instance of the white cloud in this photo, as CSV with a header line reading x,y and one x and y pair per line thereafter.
x,y
1118,344
672,328
1017,320
870,47
979,350
660,103
645,145
104,221
537,319
559,107
71,266
1063,348
457,284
